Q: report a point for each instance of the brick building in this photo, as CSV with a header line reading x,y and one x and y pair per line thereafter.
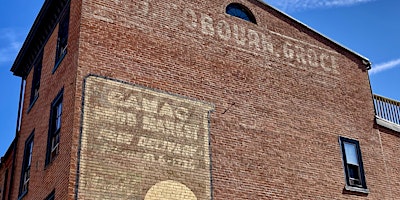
x,y
191,100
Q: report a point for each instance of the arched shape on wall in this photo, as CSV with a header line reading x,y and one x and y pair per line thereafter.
x,y
170,190
240,11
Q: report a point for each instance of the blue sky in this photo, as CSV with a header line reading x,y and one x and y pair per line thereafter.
x,y
368,27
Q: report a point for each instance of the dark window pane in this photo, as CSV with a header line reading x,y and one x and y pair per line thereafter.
x,y
37,71
353,172
51,196
30,147
351,153
240,11
62,38
54,129
58,116
26,166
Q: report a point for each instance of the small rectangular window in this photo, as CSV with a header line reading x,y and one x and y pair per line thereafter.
x,y
352,164
37,71
26,166
54,128
62,38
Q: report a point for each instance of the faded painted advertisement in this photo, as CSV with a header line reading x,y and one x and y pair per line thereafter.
x,y
186,17
138,143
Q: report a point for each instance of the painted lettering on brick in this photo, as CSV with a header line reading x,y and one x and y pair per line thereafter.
x,y
256,40
150,135
261,41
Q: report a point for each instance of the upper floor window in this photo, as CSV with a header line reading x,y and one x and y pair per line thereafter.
x,y
54,128
37,71
62,39
26,166
353,165
240,11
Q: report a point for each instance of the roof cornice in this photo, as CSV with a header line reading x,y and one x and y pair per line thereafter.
x,y
37,37
50,13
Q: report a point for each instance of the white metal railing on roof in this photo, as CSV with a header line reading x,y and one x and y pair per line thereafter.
x,y
387,109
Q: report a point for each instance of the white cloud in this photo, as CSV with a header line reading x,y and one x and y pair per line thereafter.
x,y
297,5
9,44
384,66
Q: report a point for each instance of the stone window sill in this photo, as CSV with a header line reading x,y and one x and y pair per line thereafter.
x,y
356,189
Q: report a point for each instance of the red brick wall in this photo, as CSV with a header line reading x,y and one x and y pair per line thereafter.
x,y
55,175
5,174
390,149
282,96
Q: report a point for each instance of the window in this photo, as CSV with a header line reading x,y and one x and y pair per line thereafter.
x,y
37,71
54,128
62,39
353,166
51,196
26,166
240,11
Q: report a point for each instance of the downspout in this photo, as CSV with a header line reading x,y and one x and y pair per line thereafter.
x,y
368,67
15,145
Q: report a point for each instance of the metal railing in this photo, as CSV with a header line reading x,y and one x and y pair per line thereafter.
x,y
387,109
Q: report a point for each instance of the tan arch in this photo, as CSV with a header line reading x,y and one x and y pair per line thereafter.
x,y
169,190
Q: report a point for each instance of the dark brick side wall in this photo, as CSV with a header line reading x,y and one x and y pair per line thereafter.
x,y
5,174
55,176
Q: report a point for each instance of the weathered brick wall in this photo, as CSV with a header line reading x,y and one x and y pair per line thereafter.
x,y
282,96
134,138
